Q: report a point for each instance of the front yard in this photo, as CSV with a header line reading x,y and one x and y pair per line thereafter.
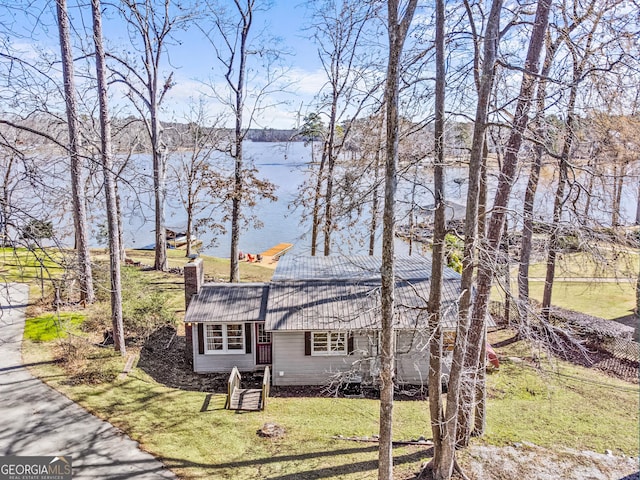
x,y
551,404
559,406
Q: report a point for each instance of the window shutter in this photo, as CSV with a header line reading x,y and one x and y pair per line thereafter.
x,y
350,344
247,337
200,338
307,343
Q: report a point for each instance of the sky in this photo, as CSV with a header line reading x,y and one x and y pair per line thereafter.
x,y
192,59
285,20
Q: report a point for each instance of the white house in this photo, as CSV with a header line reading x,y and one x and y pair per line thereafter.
x,y
318,318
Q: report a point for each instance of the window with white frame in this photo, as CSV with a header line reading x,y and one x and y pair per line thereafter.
x,y
329,343
224,338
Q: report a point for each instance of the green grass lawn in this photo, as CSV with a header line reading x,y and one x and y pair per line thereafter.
x,y
214,267
562,405
605,300
49,326
607,264
37,267
608,299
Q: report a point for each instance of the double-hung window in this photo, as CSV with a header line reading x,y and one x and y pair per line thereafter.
x,y
224,338
329,343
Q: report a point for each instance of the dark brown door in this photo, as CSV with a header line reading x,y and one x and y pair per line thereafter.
x,y
263,345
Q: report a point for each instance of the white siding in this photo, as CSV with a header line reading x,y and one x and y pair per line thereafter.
x,y
412,357
300,369
223,363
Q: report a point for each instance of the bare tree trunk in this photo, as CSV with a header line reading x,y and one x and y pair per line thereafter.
x,y
79,210
316,202
375,201
123,251
507,273
559,201
618,178
638,206
482,194
109,183
532,187
412,208
445,469
488,254
189,235
438,257
159,186
397,29
331,156
238,187
5,201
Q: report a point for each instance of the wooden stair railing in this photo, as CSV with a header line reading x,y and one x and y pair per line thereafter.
x,y
266,386
232,385
250,399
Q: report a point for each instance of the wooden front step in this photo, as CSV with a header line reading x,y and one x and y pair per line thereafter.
x,y
246,399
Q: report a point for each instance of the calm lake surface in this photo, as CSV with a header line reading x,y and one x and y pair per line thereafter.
x,y
286,165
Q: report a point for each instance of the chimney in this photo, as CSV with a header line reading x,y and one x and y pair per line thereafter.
x,y
193,280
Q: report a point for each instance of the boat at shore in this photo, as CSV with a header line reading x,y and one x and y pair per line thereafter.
x,y
176,239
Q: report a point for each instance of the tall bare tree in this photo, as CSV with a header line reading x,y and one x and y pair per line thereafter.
x,y
540,129
444,469
490,251
398,22
340,33
438,255
79,206
109,182
236,40
150,25
199,184
581,51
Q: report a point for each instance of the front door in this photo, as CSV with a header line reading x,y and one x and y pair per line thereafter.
x,y
263,345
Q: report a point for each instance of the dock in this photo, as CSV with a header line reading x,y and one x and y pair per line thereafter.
x,y
276,252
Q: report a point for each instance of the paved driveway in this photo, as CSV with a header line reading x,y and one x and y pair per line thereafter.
x,y
37,420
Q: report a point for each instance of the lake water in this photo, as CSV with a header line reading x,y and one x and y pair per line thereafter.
x,y
286,165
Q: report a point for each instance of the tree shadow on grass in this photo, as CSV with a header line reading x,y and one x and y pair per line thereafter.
x,y
336,471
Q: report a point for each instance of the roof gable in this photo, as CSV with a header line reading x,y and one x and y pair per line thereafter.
x,y
229,302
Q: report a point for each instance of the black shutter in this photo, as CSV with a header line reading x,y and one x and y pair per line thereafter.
x,y
307,343
200,338
247,337
350,344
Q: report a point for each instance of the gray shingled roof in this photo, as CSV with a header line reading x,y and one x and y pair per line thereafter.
x,y
362,267
229,302
350,305
320,293
327,293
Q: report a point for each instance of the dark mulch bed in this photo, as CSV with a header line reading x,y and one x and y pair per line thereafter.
x,y
163,358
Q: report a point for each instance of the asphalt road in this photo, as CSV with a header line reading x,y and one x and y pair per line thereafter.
x,y
37,420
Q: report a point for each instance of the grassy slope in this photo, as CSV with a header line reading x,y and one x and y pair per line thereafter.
x,y
214,267
551,408
607,299
561,406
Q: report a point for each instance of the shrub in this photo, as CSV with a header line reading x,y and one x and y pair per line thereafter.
x,y
145,313
87,364
453,248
